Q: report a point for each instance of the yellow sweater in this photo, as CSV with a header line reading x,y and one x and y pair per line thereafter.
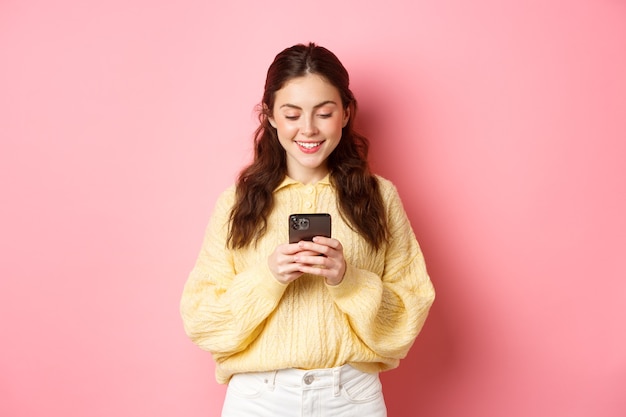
x,y
233,307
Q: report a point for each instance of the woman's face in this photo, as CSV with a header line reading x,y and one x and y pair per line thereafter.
x,y
308,116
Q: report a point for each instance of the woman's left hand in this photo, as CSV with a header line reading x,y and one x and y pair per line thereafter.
x,y
332,265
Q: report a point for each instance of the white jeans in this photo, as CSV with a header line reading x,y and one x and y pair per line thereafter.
x,y
336,392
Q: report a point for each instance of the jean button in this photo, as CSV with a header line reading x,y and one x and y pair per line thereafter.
x,y
309,379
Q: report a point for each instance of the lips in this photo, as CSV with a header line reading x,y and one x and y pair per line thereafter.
x,y
309,147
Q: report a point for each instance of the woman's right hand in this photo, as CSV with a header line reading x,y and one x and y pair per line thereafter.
x,y
282,262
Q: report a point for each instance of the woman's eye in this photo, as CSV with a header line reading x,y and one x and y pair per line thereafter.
x,y
325,115
291,117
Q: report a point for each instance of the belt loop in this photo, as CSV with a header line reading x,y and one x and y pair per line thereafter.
x,y
270,380
336,381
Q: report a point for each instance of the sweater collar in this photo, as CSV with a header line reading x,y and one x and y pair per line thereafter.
x,y
290,181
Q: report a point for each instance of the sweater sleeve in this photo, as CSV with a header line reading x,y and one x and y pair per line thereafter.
x,y
223,310
387,312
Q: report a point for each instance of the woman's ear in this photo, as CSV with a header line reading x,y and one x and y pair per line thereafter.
x,y
267,111
346,116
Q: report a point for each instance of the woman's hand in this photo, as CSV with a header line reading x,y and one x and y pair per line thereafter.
x,y
332,265
289,261
282,263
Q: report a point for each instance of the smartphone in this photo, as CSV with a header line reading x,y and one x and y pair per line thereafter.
x,y
307,226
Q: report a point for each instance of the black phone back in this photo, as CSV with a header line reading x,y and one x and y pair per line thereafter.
x,y
306,226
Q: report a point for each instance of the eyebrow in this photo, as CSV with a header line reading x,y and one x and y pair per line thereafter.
x,y
317,106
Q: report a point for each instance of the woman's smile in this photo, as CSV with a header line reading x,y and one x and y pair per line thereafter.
x,y
309,147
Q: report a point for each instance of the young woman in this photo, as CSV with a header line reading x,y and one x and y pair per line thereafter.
x,y
299,329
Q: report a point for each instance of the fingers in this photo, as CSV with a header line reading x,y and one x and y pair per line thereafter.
x,y
331,265
289,261
282,263
331,269
322,245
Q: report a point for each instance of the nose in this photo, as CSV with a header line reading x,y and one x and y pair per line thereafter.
x,y
308,128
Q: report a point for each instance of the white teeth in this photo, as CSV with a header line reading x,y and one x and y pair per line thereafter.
x,y
308,145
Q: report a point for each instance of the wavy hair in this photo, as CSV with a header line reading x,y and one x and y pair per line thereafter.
x,y
360,202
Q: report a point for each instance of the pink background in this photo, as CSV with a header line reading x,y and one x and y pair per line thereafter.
x,y
502,123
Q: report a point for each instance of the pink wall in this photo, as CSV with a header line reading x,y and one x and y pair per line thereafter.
x,y
502,123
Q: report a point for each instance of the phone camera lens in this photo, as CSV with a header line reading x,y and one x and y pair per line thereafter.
x,y
303,224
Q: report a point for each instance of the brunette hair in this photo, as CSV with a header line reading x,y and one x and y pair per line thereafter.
x,y
360,202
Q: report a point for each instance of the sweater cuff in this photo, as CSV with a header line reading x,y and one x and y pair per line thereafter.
x,y
359,291
254,294
261,279
347,286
